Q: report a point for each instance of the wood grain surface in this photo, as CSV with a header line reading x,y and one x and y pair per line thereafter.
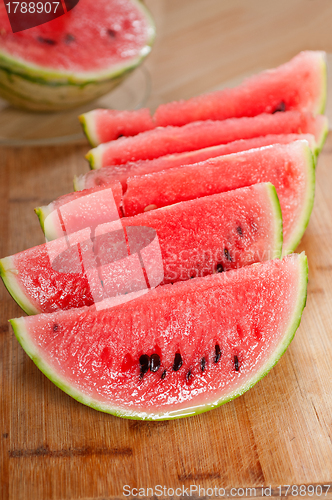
x,y
279,433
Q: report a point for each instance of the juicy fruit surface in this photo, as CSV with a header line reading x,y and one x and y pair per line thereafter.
x,y
196,238
216,233
290,168
108,175
162,141
93,36
300,84
135,359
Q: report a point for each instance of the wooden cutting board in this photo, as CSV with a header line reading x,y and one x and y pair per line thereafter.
x,y
279,433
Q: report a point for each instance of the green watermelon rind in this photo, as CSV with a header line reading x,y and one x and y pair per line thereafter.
x,y
88,126
8,273
18,77
22,336
308,202
275,204
322,105
79,183
42,212
322,135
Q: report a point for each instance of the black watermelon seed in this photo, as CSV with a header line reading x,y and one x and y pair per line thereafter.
x,y
239,230
177,362
218,353
48,41
188,376
55,327
111,33
203,363
69,38
219,268
236,363
228,257
163,375
281,107
144,362
154,362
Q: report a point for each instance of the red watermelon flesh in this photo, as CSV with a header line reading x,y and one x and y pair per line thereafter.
x,y
107,175
103,125
300,84
179,350
198,135
195,238
289,167
94,36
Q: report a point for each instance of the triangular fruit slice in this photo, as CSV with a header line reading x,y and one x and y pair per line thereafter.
x,y
190,239
177,351
108,175
290,168
300,84
198,135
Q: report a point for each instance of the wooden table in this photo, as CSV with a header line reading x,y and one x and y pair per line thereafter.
x,y
279,432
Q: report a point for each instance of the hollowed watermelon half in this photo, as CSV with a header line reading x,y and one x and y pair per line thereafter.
x,y
195,238
300,84
108,175
198,135
76,57
289,167
177,351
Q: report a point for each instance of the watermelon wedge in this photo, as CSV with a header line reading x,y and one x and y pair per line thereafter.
x,y
108,175
76,57
195,238
300,84
198,135
290,167
104,125
177,351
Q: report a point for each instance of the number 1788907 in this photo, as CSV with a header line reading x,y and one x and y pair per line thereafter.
x,y
32,7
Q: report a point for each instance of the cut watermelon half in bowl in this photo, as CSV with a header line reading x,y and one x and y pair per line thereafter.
x,y
75,58
177,351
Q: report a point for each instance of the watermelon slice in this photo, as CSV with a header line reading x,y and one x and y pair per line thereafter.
x,y
198,237
290,167
198,135
177,351
108,175
103,125
76,57
300,84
